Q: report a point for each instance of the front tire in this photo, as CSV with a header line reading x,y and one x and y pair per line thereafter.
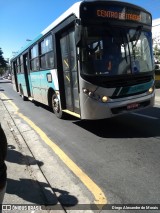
x,y
56,106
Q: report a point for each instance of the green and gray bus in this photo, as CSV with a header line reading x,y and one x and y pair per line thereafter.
x,y
95,61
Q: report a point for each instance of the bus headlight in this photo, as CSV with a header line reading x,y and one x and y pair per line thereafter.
x,y
150,90
104,99
85,91
91,94
95,96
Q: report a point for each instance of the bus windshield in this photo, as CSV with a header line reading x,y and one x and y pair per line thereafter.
x,y
116,51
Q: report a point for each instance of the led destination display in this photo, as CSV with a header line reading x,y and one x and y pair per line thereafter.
x,y
118,15
114,12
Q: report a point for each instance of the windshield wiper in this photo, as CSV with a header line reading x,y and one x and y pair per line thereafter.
x,y
136,36
123,35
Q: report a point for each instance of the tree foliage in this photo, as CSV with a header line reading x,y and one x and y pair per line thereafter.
x,y
3,62
157,52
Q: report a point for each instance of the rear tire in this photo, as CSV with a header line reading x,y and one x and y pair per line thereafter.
x,y
56,106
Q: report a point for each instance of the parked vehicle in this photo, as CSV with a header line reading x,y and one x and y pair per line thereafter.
x,y
157,73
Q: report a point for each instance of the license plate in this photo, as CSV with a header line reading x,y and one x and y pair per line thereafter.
x,y
132,106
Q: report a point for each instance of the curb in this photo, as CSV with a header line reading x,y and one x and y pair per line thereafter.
x,y
34,171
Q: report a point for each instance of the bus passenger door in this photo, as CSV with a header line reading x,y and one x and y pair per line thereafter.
x,y
26,73
69,63
14,76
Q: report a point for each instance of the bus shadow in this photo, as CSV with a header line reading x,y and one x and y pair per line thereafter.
x,y
66,116
138,125
38,104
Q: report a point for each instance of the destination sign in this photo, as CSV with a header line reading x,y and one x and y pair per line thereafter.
x,y
118,15
97,12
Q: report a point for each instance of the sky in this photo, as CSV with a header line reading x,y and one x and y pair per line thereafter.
x,y
26,19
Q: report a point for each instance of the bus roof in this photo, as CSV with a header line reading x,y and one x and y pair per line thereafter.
x,y
73,10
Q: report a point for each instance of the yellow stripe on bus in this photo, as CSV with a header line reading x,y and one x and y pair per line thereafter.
x,y
72,113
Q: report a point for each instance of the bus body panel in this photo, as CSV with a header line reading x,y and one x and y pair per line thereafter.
x,y
92,106
91,110
36,85
22,84
41,82
30,85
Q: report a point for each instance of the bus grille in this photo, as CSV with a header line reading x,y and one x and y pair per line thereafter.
x,y
129,81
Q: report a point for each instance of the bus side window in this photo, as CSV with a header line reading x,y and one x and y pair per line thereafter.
x,y
46,53
18,65
34,58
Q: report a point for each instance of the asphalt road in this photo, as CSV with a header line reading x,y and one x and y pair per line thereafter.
x,y
121,154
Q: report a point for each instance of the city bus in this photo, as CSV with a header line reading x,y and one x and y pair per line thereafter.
x,y
94,62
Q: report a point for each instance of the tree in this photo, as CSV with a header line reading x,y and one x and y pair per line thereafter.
x,y
3,62
157,52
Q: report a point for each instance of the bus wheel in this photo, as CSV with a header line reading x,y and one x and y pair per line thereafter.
x,y
56,106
